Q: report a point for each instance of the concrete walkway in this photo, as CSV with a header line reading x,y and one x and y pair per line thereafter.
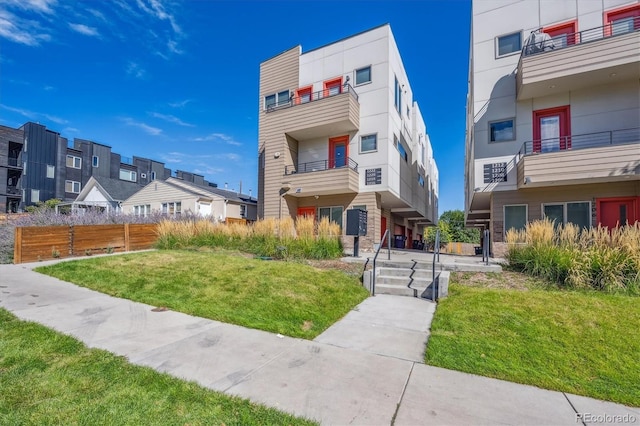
x,y
366,369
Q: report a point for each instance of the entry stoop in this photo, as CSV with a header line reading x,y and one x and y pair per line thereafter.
x,y
413,279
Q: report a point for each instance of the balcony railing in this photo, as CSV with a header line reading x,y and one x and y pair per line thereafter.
x,y
13,190
318,166
14,162
305,98
540,42
588,140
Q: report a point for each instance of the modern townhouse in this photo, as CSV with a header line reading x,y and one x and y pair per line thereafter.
x,y
37,164
339,129
553,114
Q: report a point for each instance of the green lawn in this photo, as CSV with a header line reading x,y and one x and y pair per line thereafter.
x,y
585,343
47,378
282,297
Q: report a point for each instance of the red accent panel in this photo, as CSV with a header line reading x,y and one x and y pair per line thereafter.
x,y
383,227
336,82
565,126
307,211
608,210
610,16
568,28
302,92
333,142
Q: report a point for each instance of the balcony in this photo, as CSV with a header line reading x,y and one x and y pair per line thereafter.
x,y
589,158
14,190
599,56
319,114
14,162
324,177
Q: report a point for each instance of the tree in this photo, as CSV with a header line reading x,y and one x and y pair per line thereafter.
x,y
41,206
455,225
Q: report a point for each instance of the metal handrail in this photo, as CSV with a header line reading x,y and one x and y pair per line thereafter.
x,y
309,97
436,252
321,165
549,44
582,141
373,274
485,247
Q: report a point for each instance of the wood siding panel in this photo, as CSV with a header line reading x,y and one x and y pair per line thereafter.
x,y
606,163
142,236
39,243
94,239
158,192
325,182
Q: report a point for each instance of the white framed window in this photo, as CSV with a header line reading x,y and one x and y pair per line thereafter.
x,y
397,100
276,99
363,75
153,175
508,44
334,214
420,180
515,217
243,210
51,171
576,212
401,149
173,208
369,143
142,210
72,186
35,195
503,130
129,175
95,161
74,162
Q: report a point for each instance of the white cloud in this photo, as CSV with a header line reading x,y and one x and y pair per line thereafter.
x,y
23,31
180,104
143,126
172,45
135,70
70,130
229,157
170,119
42,6
218,137
32,115
49,88
180,157
84,29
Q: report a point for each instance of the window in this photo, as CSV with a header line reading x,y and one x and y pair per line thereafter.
x,y
400,148
508,43
129,175
368,143
420,180
563,35
142,210
578,213
363,75
362,207
153,175
51,171
276,99
243,211
35,195
334,214
552,129
515,217
74,162
172,209
95,161
72,186
621,21
304,95
500,131
397,101
333,87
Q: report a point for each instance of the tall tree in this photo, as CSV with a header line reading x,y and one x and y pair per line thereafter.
x,y
455,225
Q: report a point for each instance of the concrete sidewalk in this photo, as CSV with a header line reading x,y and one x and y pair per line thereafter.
x,y
346,376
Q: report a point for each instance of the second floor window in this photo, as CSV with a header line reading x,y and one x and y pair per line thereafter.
x,y
74,162
276,99
72,186
508,43
129,175
95,161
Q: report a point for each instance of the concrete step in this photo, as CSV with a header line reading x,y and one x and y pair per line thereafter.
x,y
385,279
428,265
404,272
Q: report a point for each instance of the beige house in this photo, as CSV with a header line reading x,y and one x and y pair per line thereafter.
x,y
339,129
175,197
553,114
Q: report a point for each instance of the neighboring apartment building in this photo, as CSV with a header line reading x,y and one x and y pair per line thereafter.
x,y
37,164
553,114
339,129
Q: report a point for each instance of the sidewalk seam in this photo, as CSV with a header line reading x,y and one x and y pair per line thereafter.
x,y
574,409
404,389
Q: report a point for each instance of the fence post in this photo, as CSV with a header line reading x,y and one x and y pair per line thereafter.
x,y
126,237
17,245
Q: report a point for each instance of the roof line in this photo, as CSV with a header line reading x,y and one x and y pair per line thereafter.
x,y
348,37
282,53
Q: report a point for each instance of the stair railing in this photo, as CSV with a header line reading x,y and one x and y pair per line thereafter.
x,y
485,247
373,275
436,253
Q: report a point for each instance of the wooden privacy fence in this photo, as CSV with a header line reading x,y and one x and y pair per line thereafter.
x,y
34,243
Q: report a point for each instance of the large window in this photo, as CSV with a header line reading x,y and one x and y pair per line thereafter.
x,y
172,209
624,20
129,175
363,75
397,101
578,213
51,171
276,99
72,186
334,214
403,152
508,44
500,131
142,210
74,162
515,217
368,143
35,195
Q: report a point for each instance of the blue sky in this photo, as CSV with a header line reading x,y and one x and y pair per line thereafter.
x,y
177,81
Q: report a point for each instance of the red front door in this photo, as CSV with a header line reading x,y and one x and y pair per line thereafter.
x,y
551,129
307,212
383,228
338,151
614,212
